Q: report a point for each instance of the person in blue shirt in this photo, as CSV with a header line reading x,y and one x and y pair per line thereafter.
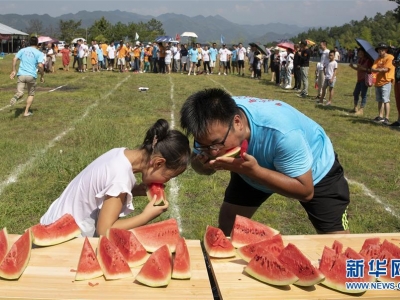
x,y
31,61
213,56
193,54
288,153
234,59
154,58
100,59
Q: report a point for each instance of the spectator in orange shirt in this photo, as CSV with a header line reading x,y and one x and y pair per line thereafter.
x,y
103,47
122,51
93,59
147,57
136,56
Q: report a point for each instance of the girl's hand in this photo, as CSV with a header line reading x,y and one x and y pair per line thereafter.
x,y
151,212
139,190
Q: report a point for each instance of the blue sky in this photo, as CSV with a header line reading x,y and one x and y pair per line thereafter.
x,y
298,12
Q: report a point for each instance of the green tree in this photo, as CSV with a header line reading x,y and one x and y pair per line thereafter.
x,y
396,10
70,29
118,32
100,27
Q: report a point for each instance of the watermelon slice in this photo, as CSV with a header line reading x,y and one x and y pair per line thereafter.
x,y
385,254
112,262
243,148
4,243
88,265
296,262
232,152
153,236
390,247
371,248
246,231
327,260
181,266
337,246
156,191
352,254
216,243
16,260
157,269
62,230
267,268
273,245
130,247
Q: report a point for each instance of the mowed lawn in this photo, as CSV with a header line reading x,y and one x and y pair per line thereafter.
x,y
94,112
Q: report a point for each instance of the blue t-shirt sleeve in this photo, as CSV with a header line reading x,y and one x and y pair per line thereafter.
x,y
293,155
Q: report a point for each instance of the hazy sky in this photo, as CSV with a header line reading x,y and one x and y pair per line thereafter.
x,y
297,12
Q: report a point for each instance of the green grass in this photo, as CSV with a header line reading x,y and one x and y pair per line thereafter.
x,y
117,115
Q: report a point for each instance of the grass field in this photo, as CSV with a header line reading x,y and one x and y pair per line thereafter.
x,y
94,112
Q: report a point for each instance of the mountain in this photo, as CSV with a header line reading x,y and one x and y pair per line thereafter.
x,y
208,29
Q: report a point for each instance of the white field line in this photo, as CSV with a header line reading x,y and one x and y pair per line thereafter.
x,y
174,186
59,87
365,190
23,167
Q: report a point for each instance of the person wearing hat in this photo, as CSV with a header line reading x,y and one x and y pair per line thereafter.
x,y
147,58
304,66
384,68
396,63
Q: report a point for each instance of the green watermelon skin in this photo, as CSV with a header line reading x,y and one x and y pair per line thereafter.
x,y
246,231
153,236
88,265
17,258
293,259
267,268
181,266
111,260
4,243
216,243
130,247
62,230
156,272
273,244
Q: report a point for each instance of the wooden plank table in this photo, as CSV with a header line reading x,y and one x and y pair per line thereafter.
x,y
233,283
49,276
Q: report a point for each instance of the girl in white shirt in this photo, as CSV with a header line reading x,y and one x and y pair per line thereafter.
x,y
102,193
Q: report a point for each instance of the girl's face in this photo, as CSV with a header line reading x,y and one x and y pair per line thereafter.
x,y
156,172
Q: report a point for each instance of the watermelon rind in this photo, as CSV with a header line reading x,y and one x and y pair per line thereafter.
x,y
267,268
155,191
88,265
232,152
156,271
111,260
17,258
293,259
62,230
273,244
129,246
153,236
4,243
335,278
181,266
246,231
216,243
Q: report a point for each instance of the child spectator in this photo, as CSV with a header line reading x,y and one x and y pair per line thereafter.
x,y
100,59
330,78
93,58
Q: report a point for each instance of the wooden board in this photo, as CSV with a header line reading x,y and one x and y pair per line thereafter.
x,y
49,276
233,283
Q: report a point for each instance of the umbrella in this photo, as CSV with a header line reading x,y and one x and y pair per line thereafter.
x,y
286,45
258,47
310,42
44,39
164,38
74,41
368,48
189,34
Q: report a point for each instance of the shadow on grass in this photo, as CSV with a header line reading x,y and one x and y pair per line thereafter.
x,y
20,111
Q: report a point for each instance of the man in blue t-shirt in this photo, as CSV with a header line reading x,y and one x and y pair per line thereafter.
x,y
213,56
288,153
234,59
31,61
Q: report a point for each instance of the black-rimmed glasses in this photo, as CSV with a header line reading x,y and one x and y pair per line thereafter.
x,y
216,146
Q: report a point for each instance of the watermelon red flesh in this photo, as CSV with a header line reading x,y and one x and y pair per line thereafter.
x,y
336,279
385,254
370,241
295,261
337,246
153,236
273,245
4,243
392,248
267,268
243,148
352,254
157,269
216,243
88,265
17,258
327,260
156,191
181,265
62,230
246,231
130,247
112,262
232,152
371,248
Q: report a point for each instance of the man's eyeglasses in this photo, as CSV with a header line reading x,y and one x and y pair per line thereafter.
x,y
216,146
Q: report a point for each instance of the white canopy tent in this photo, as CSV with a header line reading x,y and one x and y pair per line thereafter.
x,y
7,33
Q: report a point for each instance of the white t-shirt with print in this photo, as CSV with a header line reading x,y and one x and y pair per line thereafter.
x,y
330,69
111,52
325,57
206,55
223,54
109,175
241,52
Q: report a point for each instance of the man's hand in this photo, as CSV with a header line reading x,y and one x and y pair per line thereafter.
x,y
246,165
12,75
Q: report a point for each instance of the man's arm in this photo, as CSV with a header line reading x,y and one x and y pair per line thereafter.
x,y
14,68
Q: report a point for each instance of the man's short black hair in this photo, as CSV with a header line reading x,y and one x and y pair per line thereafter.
x,y
33,41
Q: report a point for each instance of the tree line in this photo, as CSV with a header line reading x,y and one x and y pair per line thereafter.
x,y
101,30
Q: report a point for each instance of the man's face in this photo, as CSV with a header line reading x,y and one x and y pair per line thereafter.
x,y
214,45
323,46
331,56
240,45
382,52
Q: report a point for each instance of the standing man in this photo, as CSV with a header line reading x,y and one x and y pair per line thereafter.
x,y
177,57
323,63
288,153
104,47
213,57
111,56
241,54
234,59
266,59
223,59
154,58
31,60
304,66
122,51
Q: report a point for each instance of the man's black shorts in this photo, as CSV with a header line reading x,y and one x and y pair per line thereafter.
x,y
241,63
326,211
